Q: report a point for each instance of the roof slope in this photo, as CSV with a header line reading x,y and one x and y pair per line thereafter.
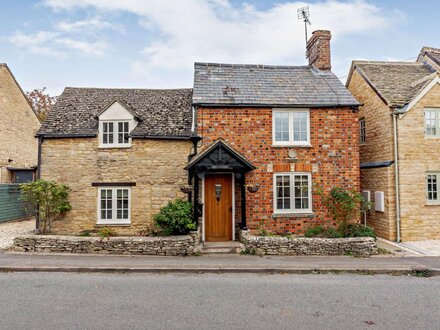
x,y
396,82
262,85
162,112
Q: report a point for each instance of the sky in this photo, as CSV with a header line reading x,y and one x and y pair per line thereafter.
x,y
154,44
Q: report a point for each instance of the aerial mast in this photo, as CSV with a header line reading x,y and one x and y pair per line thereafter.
x,y
304,14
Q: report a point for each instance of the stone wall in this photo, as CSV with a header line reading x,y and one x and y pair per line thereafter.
x,y
332,159
155,166
378,147
269,245
18,126
161,246
418,155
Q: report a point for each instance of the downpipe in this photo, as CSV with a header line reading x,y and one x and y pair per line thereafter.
x,y
396,176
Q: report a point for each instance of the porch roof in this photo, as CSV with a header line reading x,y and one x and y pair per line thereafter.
x,y
220,156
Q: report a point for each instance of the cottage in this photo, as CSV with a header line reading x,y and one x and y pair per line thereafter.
x,y
121,151
252,141
18,126
399,149
269,135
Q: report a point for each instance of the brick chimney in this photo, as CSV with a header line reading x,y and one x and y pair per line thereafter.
x,y
318,50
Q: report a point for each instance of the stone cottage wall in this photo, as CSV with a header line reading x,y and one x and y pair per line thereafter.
x,y
18,126
378,147
156,166
419,155
333,158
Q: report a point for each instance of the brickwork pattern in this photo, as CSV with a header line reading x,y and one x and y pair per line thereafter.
x,y
333,158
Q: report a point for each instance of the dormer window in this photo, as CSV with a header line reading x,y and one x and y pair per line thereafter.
x,y
116,123
115,134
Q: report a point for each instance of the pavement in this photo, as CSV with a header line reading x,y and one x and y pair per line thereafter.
x,y
382,264
217,301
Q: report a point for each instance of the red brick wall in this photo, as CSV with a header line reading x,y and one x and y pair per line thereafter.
x,y
334,157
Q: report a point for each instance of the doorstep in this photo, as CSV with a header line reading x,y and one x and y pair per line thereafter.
x,y
227,247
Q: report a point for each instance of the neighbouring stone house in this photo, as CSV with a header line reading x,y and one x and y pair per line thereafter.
x,y
251,142
18,126
399,144
269,136
121,151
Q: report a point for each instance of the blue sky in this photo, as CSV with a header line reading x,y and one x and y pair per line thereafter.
x,y
153,44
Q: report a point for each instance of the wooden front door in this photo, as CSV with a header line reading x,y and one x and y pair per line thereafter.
x,y
218,207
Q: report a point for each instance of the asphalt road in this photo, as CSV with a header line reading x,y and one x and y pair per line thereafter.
x,y
209,301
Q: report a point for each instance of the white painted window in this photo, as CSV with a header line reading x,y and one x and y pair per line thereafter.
x,y
115,134
432,122
292,192
291,127
362,132
114,205
432,187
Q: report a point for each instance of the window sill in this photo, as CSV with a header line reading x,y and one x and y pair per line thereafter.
x,y
120,224
293,215
432,203
292,146
114,147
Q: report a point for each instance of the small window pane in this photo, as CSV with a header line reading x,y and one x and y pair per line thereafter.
x,y
432,187
282,126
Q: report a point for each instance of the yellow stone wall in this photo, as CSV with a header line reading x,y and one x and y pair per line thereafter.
x,y
418,155
156,166
377,148
18,126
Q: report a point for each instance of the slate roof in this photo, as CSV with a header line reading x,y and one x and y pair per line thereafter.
x,y
397,83
266,85
163,113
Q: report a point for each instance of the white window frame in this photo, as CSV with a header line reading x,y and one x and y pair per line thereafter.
x,y
292,209
114,220
116,132
436,112
362,131
291,141
437,191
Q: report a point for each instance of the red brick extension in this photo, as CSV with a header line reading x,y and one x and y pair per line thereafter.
x,y
334,154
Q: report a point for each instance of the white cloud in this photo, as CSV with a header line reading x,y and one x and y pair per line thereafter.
x,y
93,24
217,30
65,37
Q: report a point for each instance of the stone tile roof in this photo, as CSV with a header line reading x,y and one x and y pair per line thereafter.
x,y
265,85
430,52
397,83
162,112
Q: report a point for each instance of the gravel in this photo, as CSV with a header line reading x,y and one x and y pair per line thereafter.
x,y
10,230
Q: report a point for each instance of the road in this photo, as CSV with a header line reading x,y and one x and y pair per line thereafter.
x,y
223,301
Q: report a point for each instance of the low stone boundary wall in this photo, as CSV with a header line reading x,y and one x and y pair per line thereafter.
x,y
161,246
295,246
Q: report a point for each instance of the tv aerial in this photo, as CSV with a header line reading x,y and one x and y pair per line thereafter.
x,y
304,14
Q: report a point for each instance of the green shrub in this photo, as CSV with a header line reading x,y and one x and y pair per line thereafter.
x,y
358,230
106,232
174,219
49,198
322,232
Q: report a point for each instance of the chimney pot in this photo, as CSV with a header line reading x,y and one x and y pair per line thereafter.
x,y
318,50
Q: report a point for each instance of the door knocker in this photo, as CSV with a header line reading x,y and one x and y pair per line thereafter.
x,y
218,191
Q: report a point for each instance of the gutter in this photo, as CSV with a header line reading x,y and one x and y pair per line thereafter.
x,y
274,105
395,115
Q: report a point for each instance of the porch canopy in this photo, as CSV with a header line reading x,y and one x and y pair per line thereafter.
x,y
219,157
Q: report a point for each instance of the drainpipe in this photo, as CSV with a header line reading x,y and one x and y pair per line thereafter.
x,y
396,176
